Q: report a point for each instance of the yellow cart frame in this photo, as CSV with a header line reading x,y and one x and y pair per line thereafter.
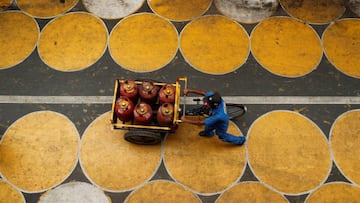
x,y
118,124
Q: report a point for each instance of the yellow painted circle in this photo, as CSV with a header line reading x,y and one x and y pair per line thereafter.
x,y
206,165
316,12
288,152
113,163
334,193
162,191
73,42
214,44
45,8
250,192
143,42
286,47
179,10
345,144
5,4
341,41
34,147
10,194
18,37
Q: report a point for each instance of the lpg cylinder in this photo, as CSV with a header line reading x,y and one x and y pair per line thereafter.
x,y
143,112
165,114
167,94
124,108
129,89
148,92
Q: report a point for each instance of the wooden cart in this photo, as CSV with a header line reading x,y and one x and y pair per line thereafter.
x,y
151,133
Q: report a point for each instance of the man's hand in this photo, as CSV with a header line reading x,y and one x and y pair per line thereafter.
x,y
186,92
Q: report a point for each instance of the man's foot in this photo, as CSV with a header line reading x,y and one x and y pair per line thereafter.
x,y
241,141
234,140
205,134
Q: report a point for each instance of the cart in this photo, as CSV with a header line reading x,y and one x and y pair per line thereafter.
x,y
152,133
149,133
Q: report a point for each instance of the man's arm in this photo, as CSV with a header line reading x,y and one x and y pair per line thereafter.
x,y
186,120
193,91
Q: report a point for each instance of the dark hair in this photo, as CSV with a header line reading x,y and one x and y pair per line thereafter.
x,y
213,100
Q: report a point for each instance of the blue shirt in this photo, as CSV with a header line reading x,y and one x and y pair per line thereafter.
x,y
218,119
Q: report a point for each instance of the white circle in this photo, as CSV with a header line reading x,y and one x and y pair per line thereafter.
x,y
75,192
112,9
247,11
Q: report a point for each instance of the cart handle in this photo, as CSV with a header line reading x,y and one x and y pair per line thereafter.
x,y
178,97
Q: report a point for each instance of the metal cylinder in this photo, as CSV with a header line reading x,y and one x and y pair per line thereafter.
x,y
124,108
148,92
143,112
165,114
129,89
167,94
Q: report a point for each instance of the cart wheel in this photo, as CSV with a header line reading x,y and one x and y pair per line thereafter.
x,y
143,137
236,110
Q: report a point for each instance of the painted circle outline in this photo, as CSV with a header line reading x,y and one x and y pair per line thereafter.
x,y
106,189
212,193
215,74
11,185
48,17
159,68
330,183
187,20
323,47
308,22
75,162
272,72
252,22
132,12
331,149
273,188
83,68
35,44
249,182
160,181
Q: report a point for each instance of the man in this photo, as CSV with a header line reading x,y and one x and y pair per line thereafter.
x,y
218,119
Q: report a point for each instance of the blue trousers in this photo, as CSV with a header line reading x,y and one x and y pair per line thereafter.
x,y
223,135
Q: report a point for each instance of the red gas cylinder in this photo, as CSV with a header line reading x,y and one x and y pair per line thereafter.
x,y
165,114
148,92
167,94
124,108
129,89
143,112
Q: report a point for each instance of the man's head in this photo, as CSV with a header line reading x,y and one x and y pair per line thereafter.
x,y
212,99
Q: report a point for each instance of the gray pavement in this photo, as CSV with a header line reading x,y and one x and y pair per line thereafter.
x,y
34,78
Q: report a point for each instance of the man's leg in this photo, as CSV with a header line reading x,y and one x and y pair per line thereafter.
x,y
207,132
226,137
